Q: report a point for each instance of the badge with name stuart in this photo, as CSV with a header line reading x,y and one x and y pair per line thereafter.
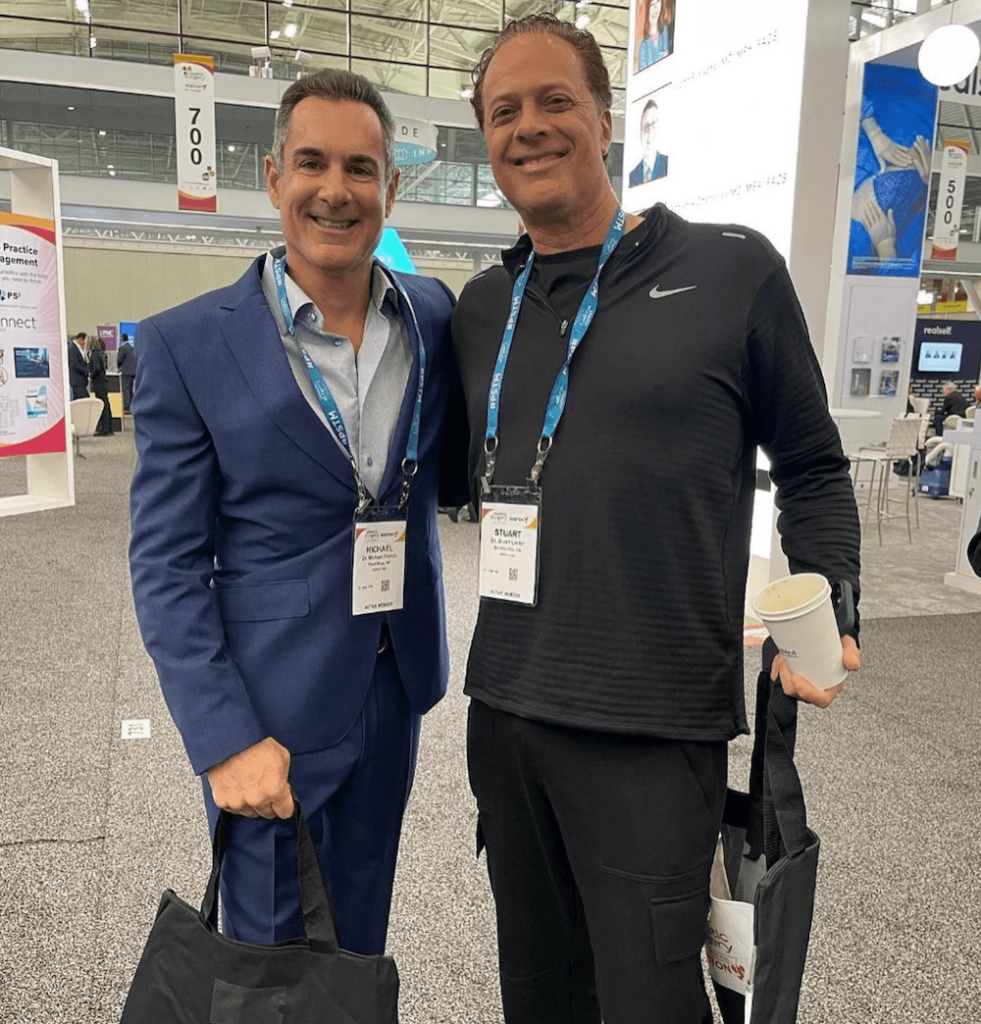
x,y
510,519
378,578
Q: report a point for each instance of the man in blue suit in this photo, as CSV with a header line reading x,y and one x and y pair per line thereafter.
x,y
285,559
653,165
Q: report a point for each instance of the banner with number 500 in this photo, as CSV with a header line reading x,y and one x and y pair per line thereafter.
x,y
194,102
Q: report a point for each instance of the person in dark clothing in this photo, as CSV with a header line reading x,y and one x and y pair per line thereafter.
x,y
126,365
605,672
99,382
78,367
954,403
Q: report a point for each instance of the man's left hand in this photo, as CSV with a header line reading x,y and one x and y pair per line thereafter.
x,y
801,688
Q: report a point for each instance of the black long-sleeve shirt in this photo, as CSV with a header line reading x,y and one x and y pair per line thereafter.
x,y
697,355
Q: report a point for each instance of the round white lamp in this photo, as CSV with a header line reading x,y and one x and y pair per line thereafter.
x,y
949,54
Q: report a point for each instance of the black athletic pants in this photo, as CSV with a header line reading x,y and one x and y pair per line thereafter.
x,y
599,848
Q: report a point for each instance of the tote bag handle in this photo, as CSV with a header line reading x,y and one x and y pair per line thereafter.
x,y
319,915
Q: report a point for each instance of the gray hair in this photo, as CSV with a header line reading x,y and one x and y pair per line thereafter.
x,y
335,84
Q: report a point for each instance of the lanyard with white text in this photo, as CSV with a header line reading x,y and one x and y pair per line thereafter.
x,y
560,389
335,420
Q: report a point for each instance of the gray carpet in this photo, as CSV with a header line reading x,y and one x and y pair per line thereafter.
x,y
94,827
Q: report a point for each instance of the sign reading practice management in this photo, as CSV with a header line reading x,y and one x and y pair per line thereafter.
x,y
32,351
194,105
415,142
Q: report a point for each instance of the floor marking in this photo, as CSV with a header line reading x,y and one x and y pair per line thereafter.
x,y
136,729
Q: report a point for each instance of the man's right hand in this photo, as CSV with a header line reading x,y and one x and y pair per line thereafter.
x,y
254,782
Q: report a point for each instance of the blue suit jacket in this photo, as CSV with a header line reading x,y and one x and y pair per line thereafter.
x,y
659,171
242,507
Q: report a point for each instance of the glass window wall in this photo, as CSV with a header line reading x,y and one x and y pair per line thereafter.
x,y
442,37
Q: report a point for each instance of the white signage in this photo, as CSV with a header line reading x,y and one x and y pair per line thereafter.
x,y
950,201
714,111
194,104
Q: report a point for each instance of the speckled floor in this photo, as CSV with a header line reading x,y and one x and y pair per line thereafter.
x,y
93,827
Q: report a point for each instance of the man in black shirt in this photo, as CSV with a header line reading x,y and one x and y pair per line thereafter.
x,y
954,403
606,667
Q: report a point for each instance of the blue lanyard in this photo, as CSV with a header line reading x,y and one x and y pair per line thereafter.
x,y
560,389
335,420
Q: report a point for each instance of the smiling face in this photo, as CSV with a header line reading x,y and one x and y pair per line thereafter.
x,y
653,16
545,133
331,191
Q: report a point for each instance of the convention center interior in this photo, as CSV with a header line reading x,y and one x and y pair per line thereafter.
x,y
142,166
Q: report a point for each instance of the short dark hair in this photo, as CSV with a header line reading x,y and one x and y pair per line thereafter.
x,y
335,84
593,66
649,105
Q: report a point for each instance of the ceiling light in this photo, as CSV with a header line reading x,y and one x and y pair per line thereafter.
x,y
112,174
289,30
948,55
231,149
275,34
287,3
71,108
582,21
465,94
102,131
93,42
110,166
924,298
81,6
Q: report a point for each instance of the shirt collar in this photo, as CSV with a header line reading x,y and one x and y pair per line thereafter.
x,y
382,289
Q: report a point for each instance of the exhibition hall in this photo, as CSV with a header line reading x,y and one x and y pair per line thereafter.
x,y
355,666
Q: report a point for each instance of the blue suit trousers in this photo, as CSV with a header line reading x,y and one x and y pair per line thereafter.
x,y
353,796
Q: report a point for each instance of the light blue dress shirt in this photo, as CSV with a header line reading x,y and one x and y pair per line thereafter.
x,y
368,387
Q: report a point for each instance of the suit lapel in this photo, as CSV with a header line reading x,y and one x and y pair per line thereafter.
x,y
251,334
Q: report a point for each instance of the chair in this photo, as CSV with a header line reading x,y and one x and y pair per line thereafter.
x,y
85,414
899,447
970,412
920,405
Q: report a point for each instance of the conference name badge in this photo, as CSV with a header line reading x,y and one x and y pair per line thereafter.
x,y
378,583
509,532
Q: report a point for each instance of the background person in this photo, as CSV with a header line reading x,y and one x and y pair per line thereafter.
x,y
99,382
953,403
267,414
126,366
652,164
78,366
600,714
655,31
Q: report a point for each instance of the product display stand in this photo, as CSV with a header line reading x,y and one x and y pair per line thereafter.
x,y
34,192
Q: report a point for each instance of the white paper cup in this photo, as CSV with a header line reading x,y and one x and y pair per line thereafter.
x,y
798,614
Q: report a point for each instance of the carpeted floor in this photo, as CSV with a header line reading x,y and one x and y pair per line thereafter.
x,y
93,827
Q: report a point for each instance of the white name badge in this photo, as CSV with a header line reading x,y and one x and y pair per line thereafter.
x,y
509,549
378,579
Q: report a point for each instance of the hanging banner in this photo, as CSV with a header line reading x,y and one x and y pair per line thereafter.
x,y
194,102
892,173
950,200
32,350
415,141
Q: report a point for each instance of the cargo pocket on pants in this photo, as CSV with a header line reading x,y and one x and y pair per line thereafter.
x,y
680,925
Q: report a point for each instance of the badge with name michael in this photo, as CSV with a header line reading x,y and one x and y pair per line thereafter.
x,y
510,518
378,580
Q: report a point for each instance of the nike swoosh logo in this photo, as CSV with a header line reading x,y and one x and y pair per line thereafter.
x,y
656,292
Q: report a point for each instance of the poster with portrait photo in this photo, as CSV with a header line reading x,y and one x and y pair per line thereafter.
x,y
652,35
862,352
645,118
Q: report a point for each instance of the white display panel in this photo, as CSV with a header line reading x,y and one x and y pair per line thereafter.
x,y
728,98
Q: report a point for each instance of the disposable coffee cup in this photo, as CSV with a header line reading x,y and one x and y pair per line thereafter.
x,y
798,614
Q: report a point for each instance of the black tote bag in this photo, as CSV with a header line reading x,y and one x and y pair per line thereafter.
x,y
189,973
765,838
